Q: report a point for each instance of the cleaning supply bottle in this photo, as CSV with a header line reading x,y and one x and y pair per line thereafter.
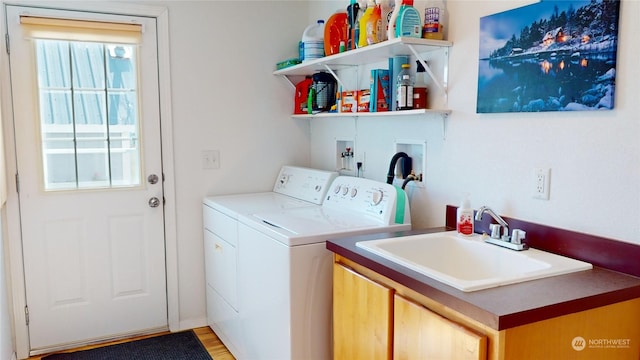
x,y
374,26
364,21
409,22
465,218
313,41
386,8
353,11
391,31
434,17
404,86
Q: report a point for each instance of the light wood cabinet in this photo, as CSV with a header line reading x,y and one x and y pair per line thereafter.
x,y
372,322
377,318
419,333
364,308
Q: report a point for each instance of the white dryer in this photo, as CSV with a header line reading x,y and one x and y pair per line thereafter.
x,y
295,187
284,277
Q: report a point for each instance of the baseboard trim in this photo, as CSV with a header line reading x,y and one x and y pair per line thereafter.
x,y
193,323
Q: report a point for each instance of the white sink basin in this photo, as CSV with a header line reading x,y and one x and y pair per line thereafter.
x,y
468,263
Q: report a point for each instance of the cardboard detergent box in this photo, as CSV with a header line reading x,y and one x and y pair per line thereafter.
x,y
349,101
380,91
363,100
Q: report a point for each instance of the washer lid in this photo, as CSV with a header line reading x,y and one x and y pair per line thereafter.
x,y
316,220
232,205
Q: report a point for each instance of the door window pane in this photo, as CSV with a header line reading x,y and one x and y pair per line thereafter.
x,y
88,114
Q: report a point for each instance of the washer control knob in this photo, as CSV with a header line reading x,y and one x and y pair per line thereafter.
x,y
336,189
376,197
354,192
345,190
284,179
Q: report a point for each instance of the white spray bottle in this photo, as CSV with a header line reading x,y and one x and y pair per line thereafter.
x,y
391,31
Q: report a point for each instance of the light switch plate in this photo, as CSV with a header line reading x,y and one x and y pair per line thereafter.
x,y
211,159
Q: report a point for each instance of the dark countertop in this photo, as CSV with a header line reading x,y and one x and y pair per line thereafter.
x,y
505,306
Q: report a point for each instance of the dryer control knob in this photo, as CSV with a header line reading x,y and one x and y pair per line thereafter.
x,y
354,192
345,190
284,179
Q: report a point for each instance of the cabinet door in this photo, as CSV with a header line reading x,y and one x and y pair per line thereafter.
x,y
422,334
362,317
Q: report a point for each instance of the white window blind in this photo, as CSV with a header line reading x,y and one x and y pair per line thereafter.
x,y
81,30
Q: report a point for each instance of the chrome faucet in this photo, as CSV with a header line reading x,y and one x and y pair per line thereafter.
x,y
495,228
502,239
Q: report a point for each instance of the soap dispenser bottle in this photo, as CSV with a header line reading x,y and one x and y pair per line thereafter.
x,y
464,216
408,22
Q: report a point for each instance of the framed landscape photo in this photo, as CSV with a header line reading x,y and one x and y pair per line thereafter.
x,y
549,56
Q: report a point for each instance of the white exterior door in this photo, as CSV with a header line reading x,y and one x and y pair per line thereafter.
x,y
87,130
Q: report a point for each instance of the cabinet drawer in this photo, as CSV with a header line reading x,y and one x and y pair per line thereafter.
x,y
220,267
220,224
225,322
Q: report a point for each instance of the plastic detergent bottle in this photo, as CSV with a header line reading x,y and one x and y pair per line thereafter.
x,y
370,25
409,22
434,16
362,25
386,9
375,23
313,41
391,30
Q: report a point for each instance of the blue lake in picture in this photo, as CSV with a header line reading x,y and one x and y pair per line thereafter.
x,y
547,82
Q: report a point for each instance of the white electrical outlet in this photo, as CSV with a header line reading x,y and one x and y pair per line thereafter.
x,y
542,180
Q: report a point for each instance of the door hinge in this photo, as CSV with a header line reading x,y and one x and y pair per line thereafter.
x,y
17,183
26,315
6,40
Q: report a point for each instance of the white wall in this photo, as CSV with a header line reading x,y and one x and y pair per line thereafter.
x,y
594,156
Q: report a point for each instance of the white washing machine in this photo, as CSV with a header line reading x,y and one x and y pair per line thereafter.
x,y
284,278
295,187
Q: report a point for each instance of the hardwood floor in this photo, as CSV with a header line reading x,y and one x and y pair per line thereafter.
x,y
207,337
212,343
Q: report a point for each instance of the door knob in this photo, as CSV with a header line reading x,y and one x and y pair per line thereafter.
x,y
154,202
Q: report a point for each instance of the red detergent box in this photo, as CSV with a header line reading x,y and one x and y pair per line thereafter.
x,y
363,100
349,101
379,90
